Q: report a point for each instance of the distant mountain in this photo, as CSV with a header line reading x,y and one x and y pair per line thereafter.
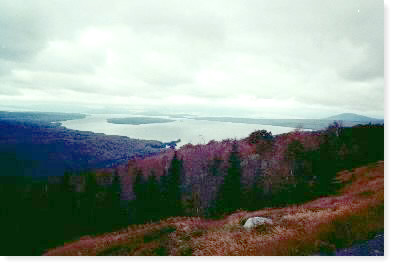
x,y
351,117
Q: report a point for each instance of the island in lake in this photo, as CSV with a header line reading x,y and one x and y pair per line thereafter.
x,y
138,120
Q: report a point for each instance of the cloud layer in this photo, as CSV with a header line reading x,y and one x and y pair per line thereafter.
x,y
305,58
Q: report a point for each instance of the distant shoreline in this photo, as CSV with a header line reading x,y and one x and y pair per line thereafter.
x,y
312,124
37,116
138,120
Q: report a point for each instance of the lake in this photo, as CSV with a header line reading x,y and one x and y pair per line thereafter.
x,y
188,130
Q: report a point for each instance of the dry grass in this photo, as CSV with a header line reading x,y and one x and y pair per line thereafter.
x,y
357,213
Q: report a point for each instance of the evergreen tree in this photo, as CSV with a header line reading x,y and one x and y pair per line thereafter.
x,y
215,172
66,203
230,196
90,202
139,193
171,193
326,166
153,199
300,162
117,213
256,197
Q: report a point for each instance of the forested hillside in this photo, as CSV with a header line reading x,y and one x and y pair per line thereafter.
x,y
255,172
209,181
323,226
33,148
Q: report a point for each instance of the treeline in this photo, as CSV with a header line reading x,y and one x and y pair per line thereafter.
x,y
42,215
211,181
282,172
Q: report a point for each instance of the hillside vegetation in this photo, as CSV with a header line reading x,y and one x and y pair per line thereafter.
x,y
36,149
201,184
321,225
259,171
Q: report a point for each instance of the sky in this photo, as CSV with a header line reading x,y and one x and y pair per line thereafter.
x,y
254,58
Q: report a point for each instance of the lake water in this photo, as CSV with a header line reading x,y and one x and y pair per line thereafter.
x,y
188,130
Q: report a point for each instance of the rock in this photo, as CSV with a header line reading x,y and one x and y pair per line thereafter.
x,y
257,221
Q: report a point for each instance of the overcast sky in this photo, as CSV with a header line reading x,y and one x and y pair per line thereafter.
x,y
263,58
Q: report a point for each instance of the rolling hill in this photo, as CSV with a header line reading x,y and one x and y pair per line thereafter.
x,y
351,117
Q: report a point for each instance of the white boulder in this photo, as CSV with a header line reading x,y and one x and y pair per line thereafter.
x,y
257,221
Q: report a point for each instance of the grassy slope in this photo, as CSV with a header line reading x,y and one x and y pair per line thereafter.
x,y
324,224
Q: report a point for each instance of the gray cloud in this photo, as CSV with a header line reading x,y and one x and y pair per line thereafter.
x,y
21,30
234,54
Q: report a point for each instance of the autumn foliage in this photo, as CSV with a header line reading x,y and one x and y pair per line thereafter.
x,y
321,225
202,193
